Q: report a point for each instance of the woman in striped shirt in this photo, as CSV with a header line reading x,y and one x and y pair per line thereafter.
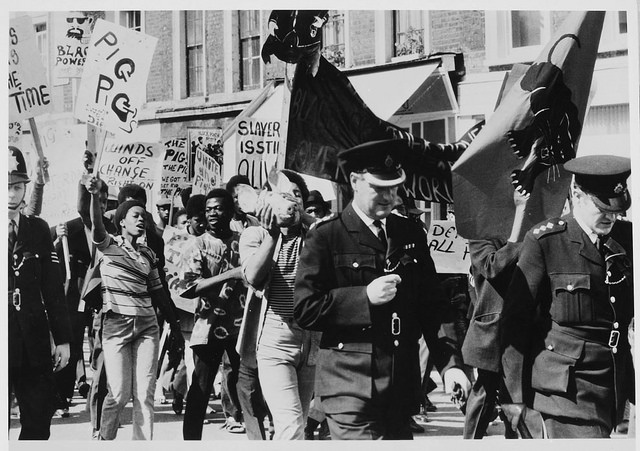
x,y
131,288
285,352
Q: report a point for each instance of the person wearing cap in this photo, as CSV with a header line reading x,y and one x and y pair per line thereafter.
x,y
566,359
316,206
163,207
37,310
131,290
367,281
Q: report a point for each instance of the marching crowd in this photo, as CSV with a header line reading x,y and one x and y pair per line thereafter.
x,y
317,318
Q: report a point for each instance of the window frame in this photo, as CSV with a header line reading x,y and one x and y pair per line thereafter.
x,y
421,32
250,35
201,46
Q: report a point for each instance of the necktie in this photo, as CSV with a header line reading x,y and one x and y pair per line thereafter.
x,y
381,235
12,235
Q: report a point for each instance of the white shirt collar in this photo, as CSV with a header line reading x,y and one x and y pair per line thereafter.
x,y
593,237
369,221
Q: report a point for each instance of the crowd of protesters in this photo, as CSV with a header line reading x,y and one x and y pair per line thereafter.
x,y
290,308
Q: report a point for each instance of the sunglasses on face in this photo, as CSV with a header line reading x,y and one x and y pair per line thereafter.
x,y
79,20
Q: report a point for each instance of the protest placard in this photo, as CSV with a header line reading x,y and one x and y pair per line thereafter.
x,y
15,133
207,139
450,252
258,144
175,169
131,162
208,173
174,242
72,32
29,93
113,85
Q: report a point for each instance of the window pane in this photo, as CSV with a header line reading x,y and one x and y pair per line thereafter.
x,y
622,22
526,28
434,131
409,32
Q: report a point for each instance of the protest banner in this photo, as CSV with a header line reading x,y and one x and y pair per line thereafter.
x,y
175,169
72,32
15,133
450,252
113,85
174,242
208,173
131,162
29,93
207,139
258,145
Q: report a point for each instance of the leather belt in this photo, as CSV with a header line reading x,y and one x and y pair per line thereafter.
x,y
606,337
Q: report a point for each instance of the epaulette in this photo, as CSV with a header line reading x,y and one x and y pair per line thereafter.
x,y
549,227
326,220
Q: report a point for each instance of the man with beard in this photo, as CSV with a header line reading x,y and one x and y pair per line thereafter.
x,y
79,25
210,266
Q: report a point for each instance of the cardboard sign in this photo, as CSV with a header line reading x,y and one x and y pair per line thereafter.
x,y
15,133
174,242
175,169
259,142
450,252
29,93
137,162
113,86
208,173
71,42
208,140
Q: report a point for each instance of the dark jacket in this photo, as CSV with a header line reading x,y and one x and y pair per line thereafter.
x,y
492,265
359,354
565,327
35,272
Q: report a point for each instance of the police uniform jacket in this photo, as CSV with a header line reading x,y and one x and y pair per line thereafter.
x,y
566,318
493,262
36,296
371,351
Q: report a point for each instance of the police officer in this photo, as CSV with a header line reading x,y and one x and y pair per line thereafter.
x,y
567,310
367,281
36,310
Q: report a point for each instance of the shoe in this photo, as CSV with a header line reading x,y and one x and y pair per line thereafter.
x,y
415,427
324,433
83,390
233,426
428,405
178,403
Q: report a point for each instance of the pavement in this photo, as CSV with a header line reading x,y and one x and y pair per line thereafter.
x,y
445,423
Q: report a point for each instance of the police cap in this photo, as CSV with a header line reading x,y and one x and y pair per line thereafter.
x,y
379,161
17,166
604,177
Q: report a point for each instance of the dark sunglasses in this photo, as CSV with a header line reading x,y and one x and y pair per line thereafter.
x,y
79,20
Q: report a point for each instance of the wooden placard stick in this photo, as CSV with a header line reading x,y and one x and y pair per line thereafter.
x,y
38,144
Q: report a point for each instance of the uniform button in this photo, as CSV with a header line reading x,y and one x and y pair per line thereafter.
x,y
550,347
561,222
356,264
340,345
570,287
17,273
608,273
613,299
614,350
616,325
396,343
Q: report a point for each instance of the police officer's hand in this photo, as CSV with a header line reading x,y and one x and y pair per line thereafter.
x,y
457,383
268,219
513,412
61,356
383,289
61,229
93,185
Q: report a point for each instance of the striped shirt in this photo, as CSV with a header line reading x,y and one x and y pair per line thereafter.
x,y
283,277
128,277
